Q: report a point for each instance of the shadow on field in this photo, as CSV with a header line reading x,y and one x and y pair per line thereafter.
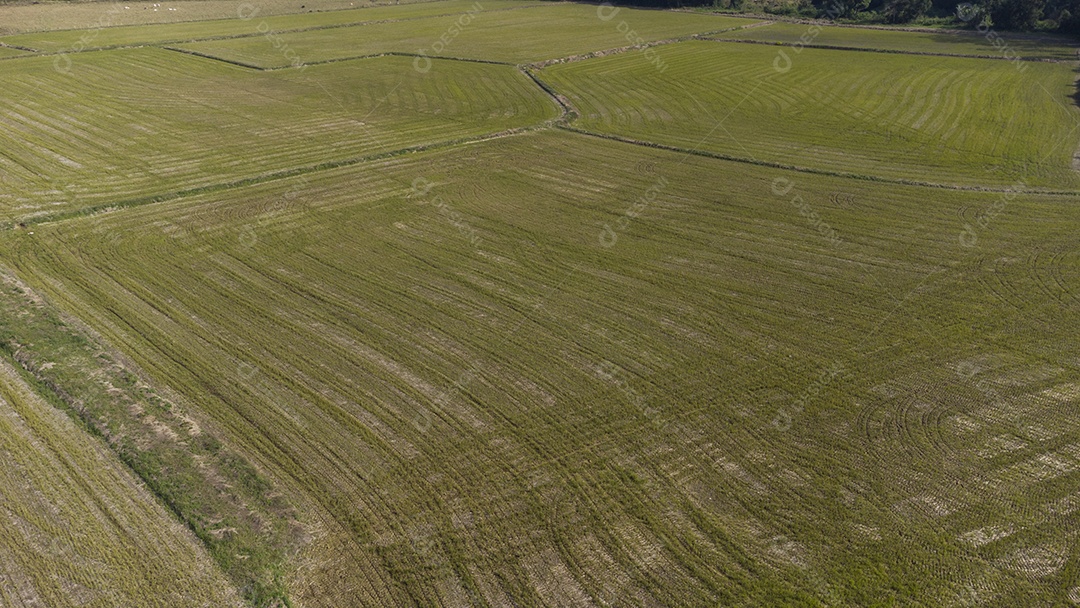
x,y
1007,45
1076,87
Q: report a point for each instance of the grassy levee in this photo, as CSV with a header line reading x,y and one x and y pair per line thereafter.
x,y
948,120
1026,46
524,36
249,529
245,20
11,52
79,528
137,123
552,369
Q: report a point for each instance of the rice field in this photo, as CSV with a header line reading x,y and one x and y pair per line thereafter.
x,y
562,318
240,20
1025,46
479,398
16,18
148,122
950,120
519,36
79,528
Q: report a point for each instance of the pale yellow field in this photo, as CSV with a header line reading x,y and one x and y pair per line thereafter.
x,y
67,15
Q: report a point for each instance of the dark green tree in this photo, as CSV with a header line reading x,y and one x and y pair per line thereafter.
x,y
837,9
905,11
1015,14
1067,15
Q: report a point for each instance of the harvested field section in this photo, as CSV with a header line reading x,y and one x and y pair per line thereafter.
x,y
472,396
78,528
976,122
147,122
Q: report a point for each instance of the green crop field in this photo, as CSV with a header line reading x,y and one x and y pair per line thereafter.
x,y
522,36
38,17
242,21
1026,46
936,119
150,121
565,317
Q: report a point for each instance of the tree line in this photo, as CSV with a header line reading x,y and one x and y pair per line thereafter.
x,y
1017,15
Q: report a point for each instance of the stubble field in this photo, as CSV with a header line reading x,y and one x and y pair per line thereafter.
x,y
594,332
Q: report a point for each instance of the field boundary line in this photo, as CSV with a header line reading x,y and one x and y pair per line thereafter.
x,y
395,54
261,179
213,58
813,171
17,47
326,61
832,47
569,112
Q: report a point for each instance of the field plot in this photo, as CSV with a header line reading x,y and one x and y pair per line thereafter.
x,y
1027,46
967,121
145,122
242,21
487,381
75,15
529,35
383,332
79,530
